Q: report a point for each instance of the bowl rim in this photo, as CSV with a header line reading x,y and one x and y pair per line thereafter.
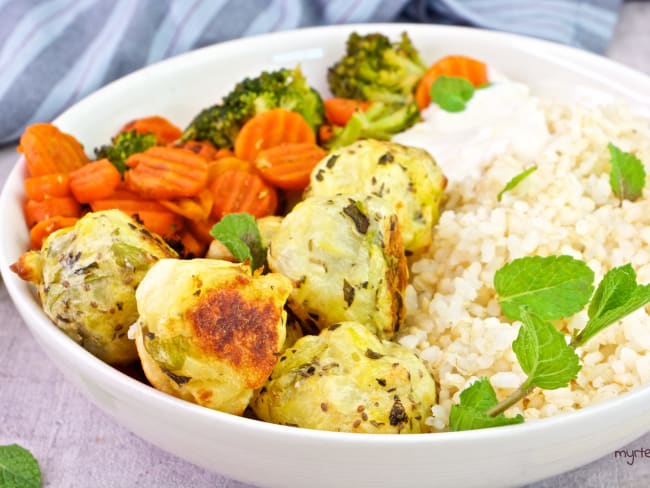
x,y
23,298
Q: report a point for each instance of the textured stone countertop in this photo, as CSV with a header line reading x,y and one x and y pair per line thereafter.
x,y
79,446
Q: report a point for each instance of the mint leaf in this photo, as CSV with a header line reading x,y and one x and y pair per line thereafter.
x,y
613,291
470,413
451,92
240,234
516,180
479,395
627,176
18,468
617,295
543,353
550,287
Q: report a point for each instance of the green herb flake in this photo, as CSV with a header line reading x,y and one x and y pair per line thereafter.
x,y
471,414
241,235
617,295
451,93
550,287
544,354
516,180
627,176
18,468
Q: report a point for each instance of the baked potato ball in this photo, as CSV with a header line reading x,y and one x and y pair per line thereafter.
x,y
210,332
346,379
86,276
345,257
408,177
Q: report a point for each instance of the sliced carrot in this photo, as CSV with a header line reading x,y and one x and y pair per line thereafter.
x,y
338,111
38,211
193,208
289,166
52,185
471,69
224,152
201,230
187,245
271,128
94,181
166,224
165,173
239,190
47,150
163,129
325,133
218,166
127,204
44,228
205,149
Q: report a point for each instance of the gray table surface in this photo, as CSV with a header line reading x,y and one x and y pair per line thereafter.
x,y
79,446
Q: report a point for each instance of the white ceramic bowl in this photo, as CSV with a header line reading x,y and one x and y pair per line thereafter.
x,y
276,456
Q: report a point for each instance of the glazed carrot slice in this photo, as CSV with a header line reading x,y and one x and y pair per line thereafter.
x,y
271,128
165,173
201,230
338,111
289,166
239,190
193,208
47,150
205,149
163,129
37,211
471,69
219,166
94,181
224,152
325,133
44,228
187,245
127,204
166,224
51,185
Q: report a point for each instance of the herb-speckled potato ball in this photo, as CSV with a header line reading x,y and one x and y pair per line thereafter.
x,y
210,332
346,379
345,257
408,177
87,275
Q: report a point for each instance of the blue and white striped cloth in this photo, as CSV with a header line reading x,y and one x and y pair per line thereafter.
x,y
54,52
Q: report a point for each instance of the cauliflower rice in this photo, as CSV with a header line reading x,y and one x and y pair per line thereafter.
x,y
565,207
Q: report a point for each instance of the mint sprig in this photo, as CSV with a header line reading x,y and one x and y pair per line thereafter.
x,y
451,93
512,184
627,176
535,290
241,235
18,468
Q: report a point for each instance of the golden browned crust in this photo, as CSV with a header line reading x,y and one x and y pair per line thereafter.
x,y
396,274
29,267
239,330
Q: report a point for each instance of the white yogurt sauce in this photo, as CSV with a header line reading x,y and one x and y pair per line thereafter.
x,y
497,118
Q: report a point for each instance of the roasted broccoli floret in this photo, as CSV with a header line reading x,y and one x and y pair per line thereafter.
x,y
125,144
375,69
380,121
284,88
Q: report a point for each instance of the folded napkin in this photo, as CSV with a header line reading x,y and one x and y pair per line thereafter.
x,y
54,52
